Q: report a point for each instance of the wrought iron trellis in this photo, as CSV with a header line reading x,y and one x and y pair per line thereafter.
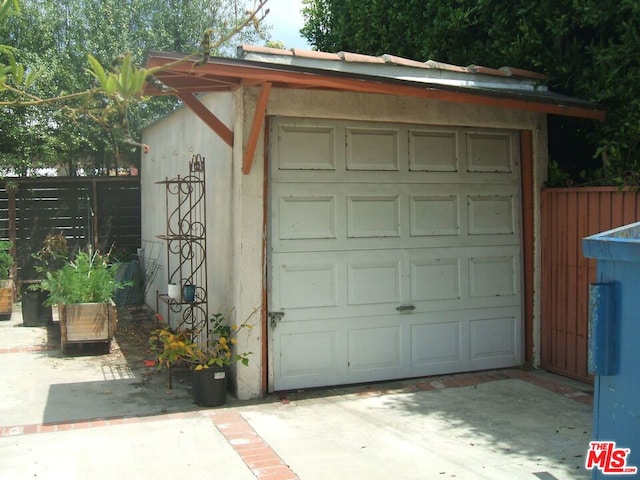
x,y
185,237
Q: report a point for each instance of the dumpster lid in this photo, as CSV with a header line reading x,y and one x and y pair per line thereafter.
x,y
622,243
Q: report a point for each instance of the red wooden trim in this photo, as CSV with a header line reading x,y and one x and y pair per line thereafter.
x,y
526,159
265,270
288,79
258,117
545,293
207,117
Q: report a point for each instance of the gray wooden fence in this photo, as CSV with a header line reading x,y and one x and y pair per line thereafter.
x,y
97,211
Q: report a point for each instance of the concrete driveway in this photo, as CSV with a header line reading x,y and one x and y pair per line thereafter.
x,y
112,416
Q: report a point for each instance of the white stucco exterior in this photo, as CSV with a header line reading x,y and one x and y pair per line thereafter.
x,y
236,227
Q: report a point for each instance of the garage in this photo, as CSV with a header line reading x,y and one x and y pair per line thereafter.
x,y
375,217
394,251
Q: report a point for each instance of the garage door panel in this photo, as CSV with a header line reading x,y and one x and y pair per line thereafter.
x,y
307,217
347,216
374,348
493,337
390,346
352,284
420,216
492,276
436,343
342,284
434,215
372,149
490,152
491,215
309,358
309,285
435,279
373,283
316,141
373,216
433,151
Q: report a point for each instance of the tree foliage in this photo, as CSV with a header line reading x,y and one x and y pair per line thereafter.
x,y
85,111
589,49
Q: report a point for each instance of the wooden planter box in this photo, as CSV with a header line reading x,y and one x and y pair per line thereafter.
x,y
87,323
6,297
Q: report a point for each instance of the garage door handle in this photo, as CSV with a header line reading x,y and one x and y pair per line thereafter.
x,y
406,308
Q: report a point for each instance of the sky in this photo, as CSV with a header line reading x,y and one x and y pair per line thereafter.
x,y
285,16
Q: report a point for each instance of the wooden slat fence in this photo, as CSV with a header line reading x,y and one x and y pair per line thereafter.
x,y
568,215
100,211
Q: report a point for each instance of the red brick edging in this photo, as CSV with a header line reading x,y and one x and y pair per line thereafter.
x,y
252,449
261,459
477,378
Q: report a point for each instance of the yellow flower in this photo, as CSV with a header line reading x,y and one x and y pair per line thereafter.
x,y
234,327
234,341
223,341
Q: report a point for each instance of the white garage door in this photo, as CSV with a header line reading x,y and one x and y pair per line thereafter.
x,y
394,251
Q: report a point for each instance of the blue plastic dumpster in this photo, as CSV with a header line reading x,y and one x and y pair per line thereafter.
x,y
614,352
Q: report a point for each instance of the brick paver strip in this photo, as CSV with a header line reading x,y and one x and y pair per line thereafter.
x,y
252,449
261,459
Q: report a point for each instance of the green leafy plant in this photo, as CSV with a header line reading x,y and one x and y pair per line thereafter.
x,y
6,259
218,350
88,278
588,49
74,89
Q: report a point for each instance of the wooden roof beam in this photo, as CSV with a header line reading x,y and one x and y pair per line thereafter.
x,y
258,118
207,117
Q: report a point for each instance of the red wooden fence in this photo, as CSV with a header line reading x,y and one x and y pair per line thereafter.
x,y
568,215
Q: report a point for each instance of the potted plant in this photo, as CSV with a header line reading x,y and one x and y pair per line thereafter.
x,y
6,283
83,290
52,256
207,359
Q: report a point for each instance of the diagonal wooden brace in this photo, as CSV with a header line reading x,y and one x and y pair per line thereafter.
x,y
207,117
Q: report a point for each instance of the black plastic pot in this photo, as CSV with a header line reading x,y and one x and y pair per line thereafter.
x,y
209,386
34,313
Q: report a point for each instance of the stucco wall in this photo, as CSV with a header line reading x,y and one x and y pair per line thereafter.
x,y
172,142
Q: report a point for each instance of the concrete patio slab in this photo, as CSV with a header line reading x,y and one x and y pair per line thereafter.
x,y
112,415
